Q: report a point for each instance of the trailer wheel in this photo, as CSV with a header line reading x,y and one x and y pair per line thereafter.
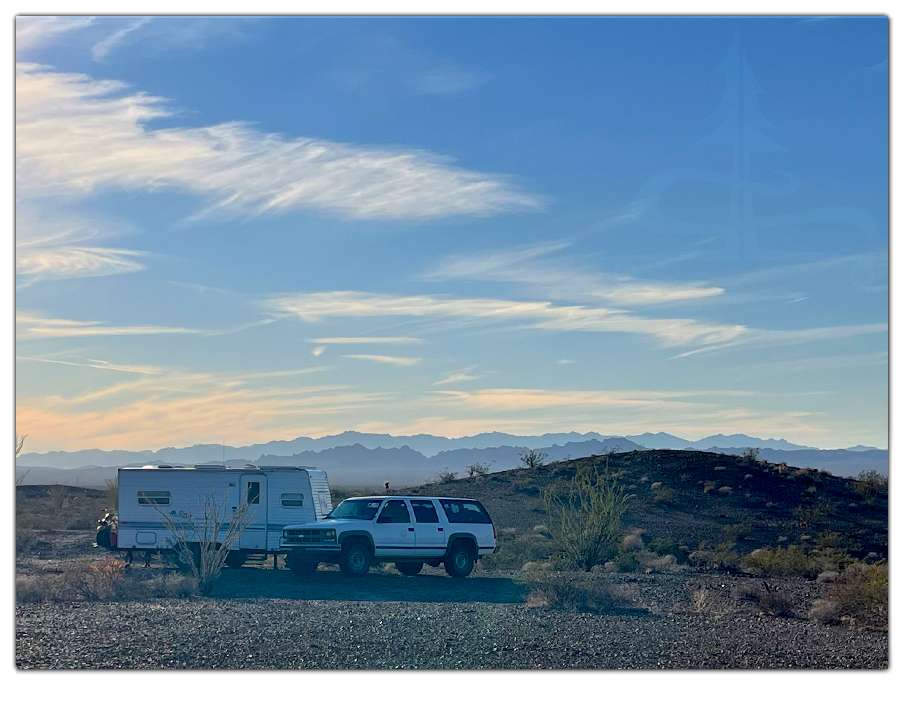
x,y
235,559
356,558
409,568
299,567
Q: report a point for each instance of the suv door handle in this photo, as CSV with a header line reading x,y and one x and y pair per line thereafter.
x,y
411,529
440,528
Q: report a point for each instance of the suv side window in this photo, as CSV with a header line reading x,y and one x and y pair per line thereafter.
x,y
424,511
394,512
465,512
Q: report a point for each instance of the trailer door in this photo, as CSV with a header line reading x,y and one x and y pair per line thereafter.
x,y
253,492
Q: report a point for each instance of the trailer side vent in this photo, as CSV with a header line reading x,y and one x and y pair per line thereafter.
x,y
291,501
153,498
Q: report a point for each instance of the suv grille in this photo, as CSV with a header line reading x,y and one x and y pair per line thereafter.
x,y
306,536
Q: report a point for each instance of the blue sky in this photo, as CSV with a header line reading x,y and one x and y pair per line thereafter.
x,y
243,229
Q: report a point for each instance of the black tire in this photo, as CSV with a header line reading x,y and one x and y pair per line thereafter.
x,y
409,568
235,559
460,559
356,558
300,567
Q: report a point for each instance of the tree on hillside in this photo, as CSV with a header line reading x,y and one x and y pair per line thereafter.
x,y
478,469
531,458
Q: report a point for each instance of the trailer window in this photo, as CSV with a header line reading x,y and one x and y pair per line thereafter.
x,y
253,492
153,498
291,501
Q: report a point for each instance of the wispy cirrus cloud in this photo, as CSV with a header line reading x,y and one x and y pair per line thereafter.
x,y
459,376
563,279
35,31
101,50
76,262
61,119
30,326
313,307
700,336
374,339
387,359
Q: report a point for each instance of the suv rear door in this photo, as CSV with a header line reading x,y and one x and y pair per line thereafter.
x,y
431,534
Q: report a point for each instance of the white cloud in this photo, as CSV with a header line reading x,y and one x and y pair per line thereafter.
x,y
312,307
35,31
76,262
31,327
95,364
318,351
362,340
560,279
100,50
63,119
461,376
387,359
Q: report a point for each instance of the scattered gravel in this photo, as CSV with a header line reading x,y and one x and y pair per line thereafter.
x,y
386,621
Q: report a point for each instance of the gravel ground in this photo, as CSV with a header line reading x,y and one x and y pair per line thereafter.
x,y
387,621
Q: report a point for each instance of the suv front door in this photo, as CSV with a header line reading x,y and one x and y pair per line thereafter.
x,y
393,530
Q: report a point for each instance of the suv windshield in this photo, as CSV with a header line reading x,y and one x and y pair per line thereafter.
x,y
355,509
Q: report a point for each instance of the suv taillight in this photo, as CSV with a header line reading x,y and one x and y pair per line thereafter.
x,y
495,531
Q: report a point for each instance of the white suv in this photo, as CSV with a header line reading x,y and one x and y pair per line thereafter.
x,y
410,531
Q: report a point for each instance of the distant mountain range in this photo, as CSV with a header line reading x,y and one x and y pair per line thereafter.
x,y
425,444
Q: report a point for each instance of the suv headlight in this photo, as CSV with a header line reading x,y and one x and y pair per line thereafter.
x,y
329,535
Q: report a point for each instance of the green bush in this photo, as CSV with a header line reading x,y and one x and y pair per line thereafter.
x,y
586,516
513,552
771,601
667,547
858,596
869,484
793,561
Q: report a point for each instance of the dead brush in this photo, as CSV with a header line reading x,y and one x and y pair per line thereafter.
x,y
771,602
94,581
576,592
701,600
858,596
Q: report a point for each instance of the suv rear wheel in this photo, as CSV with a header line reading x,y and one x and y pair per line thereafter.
x,y
460,560
409,568
356,558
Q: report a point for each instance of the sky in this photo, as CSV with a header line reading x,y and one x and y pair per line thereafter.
x,y
245,229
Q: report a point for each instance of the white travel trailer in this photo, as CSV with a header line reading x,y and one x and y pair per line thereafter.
x,y
277,496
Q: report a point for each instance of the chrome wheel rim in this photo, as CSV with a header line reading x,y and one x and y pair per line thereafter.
x,y
357,560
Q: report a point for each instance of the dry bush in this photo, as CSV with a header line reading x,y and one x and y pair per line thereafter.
x,y
57,497
530,458
708,487
94,581
722,558
200,542
166,585
701,599
478,469
632,542
869,484
665,495
586,516
858,596
770,600
793,561
736,532
725,491
513,552
445,476
576,592
719,468
816,513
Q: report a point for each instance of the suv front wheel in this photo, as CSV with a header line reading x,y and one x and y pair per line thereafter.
x,y
355,559
460,560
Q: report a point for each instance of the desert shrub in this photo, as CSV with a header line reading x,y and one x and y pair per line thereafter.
x,y
444,476
627,562
793,561
837,541
478,469
576,592
750,455
586,516
725,491
94,581
684,477
816,513
39,589
701,599
166,585
748,476
736,532
57,494
869,484
722,557
708,487
667,547
771,601
25,539
531,458
632,542
665,495
858,596
201,543
719,468
514,552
